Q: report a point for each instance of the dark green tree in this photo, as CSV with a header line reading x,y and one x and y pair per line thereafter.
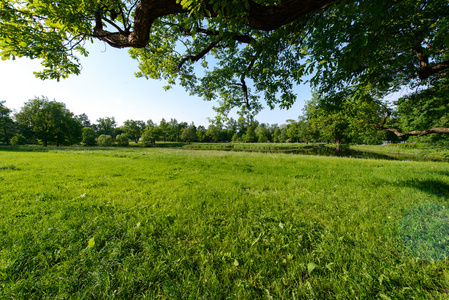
x,y
150,135
6,124
89,136
50,121
84,120
189,134
424,109
122,140
106,126
133,129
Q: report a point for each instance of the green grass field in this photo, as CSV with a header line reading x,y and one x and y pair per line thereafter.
x,y
121,223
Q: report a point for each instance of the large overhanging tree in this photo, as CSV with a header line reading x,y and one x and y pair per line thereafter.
x,y
251,52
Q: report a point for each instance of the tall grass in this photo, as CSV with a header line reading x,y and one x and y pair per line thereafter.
x,y
164,223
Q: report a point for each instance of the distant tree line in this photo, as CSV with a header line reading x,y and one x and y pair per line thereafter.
x,y
51,123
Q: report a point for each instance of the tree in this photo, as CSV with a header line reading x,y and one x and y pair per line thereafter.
x,y
50,121
424,109
84,120
354,121
6,123
164,128
250,135
201,133
122,139
89,136
18,139
277,135
133,129
106,126
189,134
261,46
150,135
378,48
262,133
105,140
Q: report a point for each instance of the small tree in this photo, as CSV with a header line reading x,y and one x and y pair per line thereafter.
x,y
105,140
189,134
149,136
18,140
6,123
89,136
122,140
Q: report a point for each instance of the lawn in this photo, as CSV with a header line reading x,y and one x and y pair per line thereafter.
x,y
89,223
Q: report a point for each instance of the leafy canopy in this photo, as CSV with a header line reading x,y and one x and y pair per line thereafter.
x,y
244,54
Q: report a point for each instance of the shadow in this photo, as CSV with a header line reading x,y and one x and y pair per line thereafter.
x,y
37,148
434,187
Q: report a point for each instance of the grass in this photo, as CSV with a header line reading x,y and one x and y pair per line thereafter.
x,y
423,151
138,223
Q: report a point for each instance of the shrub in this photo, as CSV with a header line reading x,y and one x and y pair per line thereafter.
x,y
89,136
122,139
105,140
18,140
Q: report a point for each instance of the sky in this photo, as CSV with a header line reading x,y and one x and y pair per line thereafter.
x,y
107,87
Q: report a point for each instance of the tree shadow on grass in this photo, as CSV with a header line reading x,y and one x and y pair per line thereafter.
x,y
424,228
38,148
434,187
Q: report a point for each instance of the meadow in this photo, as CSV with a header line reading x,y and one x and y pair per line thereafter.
x,y
122,223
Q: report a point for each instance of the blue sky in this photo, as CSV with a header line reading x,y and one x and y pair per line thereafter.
x,y
107,87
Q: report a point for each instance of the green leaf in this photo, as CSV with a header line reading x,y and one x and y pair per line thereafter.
x,y
91,243
310,267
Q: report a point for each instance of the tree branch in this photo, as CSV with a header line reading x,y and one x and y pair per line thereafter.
x,y
200,55
425,71
258,17
417,132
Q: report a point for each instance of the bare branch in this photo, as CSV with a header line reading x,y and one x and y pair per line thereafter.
x,y
200,55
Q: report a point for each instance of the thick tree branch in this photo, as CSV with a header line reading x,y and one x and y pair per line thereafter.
x,y
259,17
417,132
410,133
425,71
246,39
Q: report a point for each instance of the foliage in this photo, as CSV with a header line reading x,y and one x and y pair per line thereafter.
x,y
150,135
50,121
89,136
353,122
378,48
105,140
425,109
106,126
133,129
248,50
189,134
84,120
18,139
6,123
122,139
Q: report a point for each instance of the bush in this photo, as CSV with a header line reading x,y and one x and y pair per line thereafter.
x,y
89,136
18,140
105,140
122,139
